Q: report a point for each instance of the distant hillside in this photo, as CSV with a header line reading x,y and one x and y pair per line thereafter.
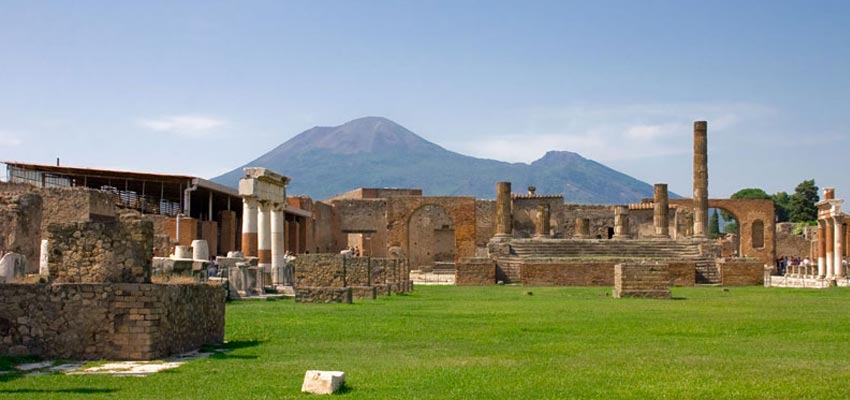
x,y
377,152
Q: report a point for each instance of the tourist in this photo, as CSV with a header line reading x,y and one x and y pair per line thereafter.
x,y
211,269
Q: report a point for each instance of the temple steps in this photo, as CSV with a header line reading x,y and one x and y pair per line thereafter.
x,y
605,248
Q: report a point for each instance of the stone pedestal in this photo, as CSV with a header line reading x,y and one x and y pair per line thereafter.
x,y
200,250
582,228
661,210
504,217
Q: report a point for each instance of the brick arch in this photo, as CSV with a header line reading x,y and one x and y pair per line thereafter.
x,y
461,210
747,212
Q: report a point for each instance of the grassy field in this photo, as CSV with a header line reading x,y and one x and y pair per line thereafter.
x,y
502,343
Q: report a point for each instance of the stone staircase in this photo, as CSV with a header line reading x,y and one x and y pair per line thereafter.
x,y
555,248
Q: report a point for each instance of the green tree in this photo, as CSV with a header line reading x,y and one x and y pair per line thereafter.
x,y
802,204
747,193
714,226
782,205
731,227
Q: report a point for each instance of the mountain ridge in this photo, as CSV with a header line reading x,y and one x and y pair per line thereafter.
x,y
324,161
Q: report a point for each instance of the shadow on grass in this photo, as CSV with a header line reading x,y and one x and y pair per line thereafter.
x,y
222,351
74,390
344,389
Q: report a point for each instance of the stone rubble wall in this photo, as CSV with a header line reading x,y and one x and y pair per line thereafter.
x,y
93,252
741,272
20,223
641,280
109,321
319,278
791,245
475,272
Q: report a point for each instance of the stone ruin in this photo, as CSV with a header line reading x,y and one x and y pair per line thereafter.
x,y
657,231
335,278
94,298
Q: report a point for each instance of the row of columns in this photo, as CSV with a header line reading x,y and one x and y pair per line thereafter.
x,y
263,199
832,232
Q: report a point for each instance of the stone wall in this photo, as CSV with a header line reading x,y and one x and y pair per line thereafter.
x,y
791,245
318,276
641,280
94,252
485,221
109,321
475,272
76,204
20,223
601,219
741,272
593,272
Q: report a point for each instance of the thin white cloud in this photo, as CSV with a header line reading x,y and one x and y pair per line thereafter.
x,y
184,125
9,139
612,133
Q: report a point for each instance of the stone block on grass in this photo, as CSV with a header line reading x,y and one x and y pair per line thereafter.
x,y
323,382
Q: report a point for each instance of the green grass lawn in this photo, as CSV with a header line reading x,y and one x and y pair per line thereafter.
x,y
500,343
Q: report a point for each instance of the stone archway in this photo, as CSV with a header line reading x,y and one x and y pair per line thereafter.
x,y
751,214
430,237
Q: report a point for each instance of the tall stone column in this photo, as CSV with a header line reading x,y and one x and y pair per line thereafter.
x,y
700,179
829,239
541,225
277,248
621,222
662,208
582,228
264,238
249,226
839,248
504,218
821,249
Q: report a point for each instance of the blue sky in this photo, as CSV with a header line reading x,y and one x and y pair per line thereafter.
x,y
200,88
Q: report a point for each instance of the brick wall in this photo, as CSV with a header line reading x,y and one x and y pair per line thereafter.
x,y
599,272
641,280
109,321
475,272
741,272
321,277
93,252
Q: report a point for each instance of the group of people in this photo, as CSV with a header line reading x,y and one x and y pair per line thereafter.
x,y
782,263
353,251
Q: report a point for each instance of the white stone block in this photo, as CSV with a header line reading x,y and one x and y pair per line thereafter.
x,y
44,259
200,250
322,382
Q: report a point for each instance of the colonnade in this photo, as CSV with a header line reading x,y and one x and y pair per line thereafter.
x,y
263,200
832,236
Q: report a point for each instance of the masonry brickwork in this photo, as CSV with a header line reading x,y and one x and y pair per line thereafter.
x,y
322,278
108,321
94,252
741,272
641,280
475,272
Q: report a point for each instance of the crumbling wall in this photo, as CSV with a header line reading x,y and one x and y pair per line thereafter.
x,y
594,272
109,321
77,204
116,252
741,272
485,221
601,220
791,245
321,277
524,212
641,280
20,223
475,272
